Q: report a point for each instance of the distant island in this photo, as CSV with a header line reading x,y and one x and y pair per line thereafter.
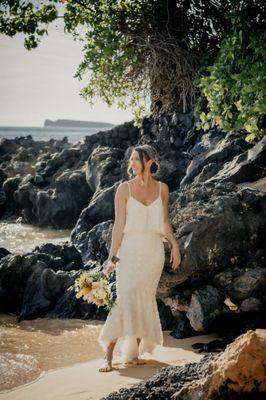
x,y
76,124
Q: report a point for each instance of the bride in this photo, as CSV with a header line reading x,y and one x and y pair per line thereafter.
x,y
137,252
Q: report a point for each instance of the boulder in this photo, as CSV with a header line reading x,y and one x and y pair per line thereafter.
x,y
221,158
15,271
3,252
103,167
50,207
241,283
218,226
10,186
59,256
205,305
44,288
237,373
40,280
100,209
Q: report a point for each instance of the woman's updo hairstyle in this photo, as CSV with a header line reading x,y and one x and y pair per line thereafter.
x,y
146,152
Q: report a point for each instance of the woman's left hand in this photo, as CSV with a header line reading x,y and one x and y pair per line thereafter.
x,y
108,267
175,257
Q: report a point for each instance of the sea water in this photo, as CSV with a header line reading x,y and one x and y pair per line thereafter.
x,y
22,238
47,133
30,348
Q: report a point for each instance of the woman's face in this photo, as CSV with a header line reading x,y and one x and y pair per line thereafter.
x,y
135,163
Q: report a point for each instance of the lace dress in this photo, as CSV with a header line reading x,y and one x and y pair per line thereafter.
x,y
135,314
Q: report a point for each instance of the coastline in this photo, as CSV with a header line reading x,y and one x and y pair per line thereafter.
x,y
83,380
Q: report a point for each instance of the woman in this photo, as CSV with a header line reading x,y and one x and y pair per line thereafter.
x,y
141,223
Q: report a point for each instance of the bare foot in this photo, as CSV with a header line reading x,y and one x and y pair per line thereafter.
x,y
106,366
137,361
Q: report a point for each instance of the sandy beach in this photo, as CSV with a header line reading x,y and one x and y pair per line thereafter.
x,y
83,381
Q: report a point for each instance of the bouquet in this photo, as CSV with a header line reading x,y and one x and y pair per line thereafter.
x,y
94,287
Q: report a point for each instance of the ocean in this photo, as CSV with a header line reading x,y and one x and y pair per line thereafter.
x,y
46,133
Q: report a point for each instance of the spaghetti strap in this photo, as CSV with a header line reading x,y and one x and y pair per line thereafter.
x,y
129,189
160,189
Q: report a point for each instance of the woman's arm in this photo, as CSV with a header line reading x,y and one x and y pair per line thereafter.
x,y
175,251
167,225
120,219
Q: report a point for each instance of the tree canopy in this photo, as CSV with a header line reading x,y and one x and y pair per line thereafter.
x,y
146,54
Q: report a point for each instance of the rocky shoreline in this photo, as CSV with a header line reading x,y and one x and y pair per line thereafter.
x,y
228,376
217,210
46,182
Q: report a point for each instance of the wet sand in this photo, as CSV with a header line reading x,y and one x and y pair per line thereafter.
x,y
67,357
29,348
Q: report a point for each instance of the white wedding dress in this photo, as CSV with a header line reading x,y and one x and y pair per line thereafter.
x,y
135,314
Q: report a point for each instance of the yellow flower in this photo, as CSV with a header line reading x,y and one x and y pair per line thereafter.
x,y
83,292
89,297
101,293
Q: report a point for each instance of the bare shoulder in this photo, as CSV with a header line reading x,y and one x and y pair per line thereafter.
x,y
122,190
165,188
122,187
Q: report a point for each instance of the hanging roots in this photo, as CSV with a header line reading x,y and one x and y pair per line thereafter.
x,y
164,72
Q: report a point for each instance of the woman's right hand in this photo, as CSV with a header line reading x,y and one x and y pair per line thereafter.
x,y
175,257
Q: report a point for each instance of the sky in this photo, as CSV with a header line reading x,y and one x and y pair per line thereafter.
x,y
40,84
